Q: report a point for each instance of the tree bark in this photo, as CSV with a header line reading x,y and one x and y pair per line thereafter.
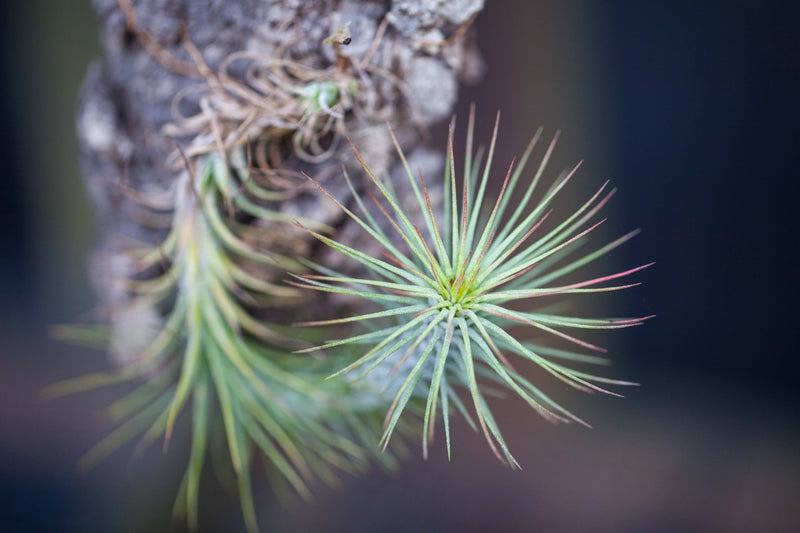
x,y
125,103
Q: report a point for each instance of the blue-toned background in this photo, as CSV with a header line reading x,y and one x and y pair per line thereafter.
x,y
692,111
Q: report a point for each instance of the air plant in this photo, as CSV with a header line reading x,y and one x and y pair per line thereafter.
x,y
212,357
450,296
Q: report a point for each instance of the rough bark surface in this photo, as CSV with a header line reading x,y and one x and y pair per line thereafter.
x,y
126,98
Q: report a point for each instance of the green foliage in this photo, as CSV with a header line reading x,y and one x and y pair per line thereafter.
x,y
450,287
449,296
233,374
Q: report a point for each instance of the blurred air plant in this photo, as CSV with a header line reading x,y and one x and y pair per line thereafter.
x,y
448,296
235,375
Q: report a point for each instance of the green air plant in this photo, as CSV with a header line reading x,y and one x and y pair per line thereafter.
x,y
235,375
450,296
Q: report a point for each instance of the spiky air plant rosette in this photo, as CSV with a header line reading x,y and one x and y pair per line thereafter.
x,y
246,393
449,295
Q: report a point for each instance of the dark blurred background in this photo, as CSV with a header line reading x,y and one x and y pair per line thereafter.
x,y
691,110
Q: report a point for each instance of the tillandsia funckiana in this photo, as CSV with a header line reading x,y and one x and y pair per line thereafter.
x,y
206,306
450,296
235,374
449,301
